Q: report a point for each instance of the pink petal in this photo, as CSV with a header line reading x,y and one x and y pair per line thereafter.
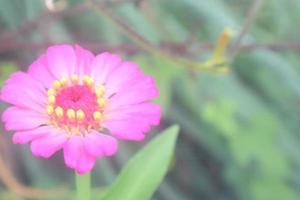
x,y
20,78
132,122
16,118
85,163
103,65
134,92
120,76
61,61
84,60
76,157
147,110
125,130
98,144
72,151
22,90
47,146
39,71
23,137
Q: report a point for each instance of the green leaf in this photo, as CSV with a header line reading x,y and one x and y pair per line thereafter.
x,y
6,68
144,172
15,12
264,189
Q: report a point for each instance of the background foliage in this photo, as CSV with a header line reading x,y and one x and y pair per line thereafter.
x,y
239,135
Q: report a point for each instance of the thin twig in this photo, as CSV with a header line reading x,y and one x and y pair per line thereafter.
x,y
109,14
105,11
29,25
251,16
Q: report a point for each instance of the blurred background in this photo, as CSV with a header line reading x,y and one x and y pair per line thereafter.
x,y
239,111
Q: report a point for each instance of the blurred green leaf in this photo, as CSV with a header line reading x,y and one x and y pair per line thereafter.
x,y
222,113
6,68
145,171
14,12
272,189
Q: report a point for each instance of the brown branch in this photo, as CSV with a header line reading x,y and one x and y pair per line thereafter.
x,y
8,39
93,46
172,47
280,46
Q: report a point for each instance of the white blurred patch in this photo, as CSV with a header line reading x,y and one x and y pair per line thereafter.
x,y
56,5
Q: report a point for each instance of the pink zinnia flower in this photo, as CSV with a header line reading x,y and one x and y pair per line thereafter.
x,y
72,100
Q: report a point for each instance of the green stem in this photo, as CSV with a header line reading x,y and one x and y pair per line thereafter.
x,y
83,186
